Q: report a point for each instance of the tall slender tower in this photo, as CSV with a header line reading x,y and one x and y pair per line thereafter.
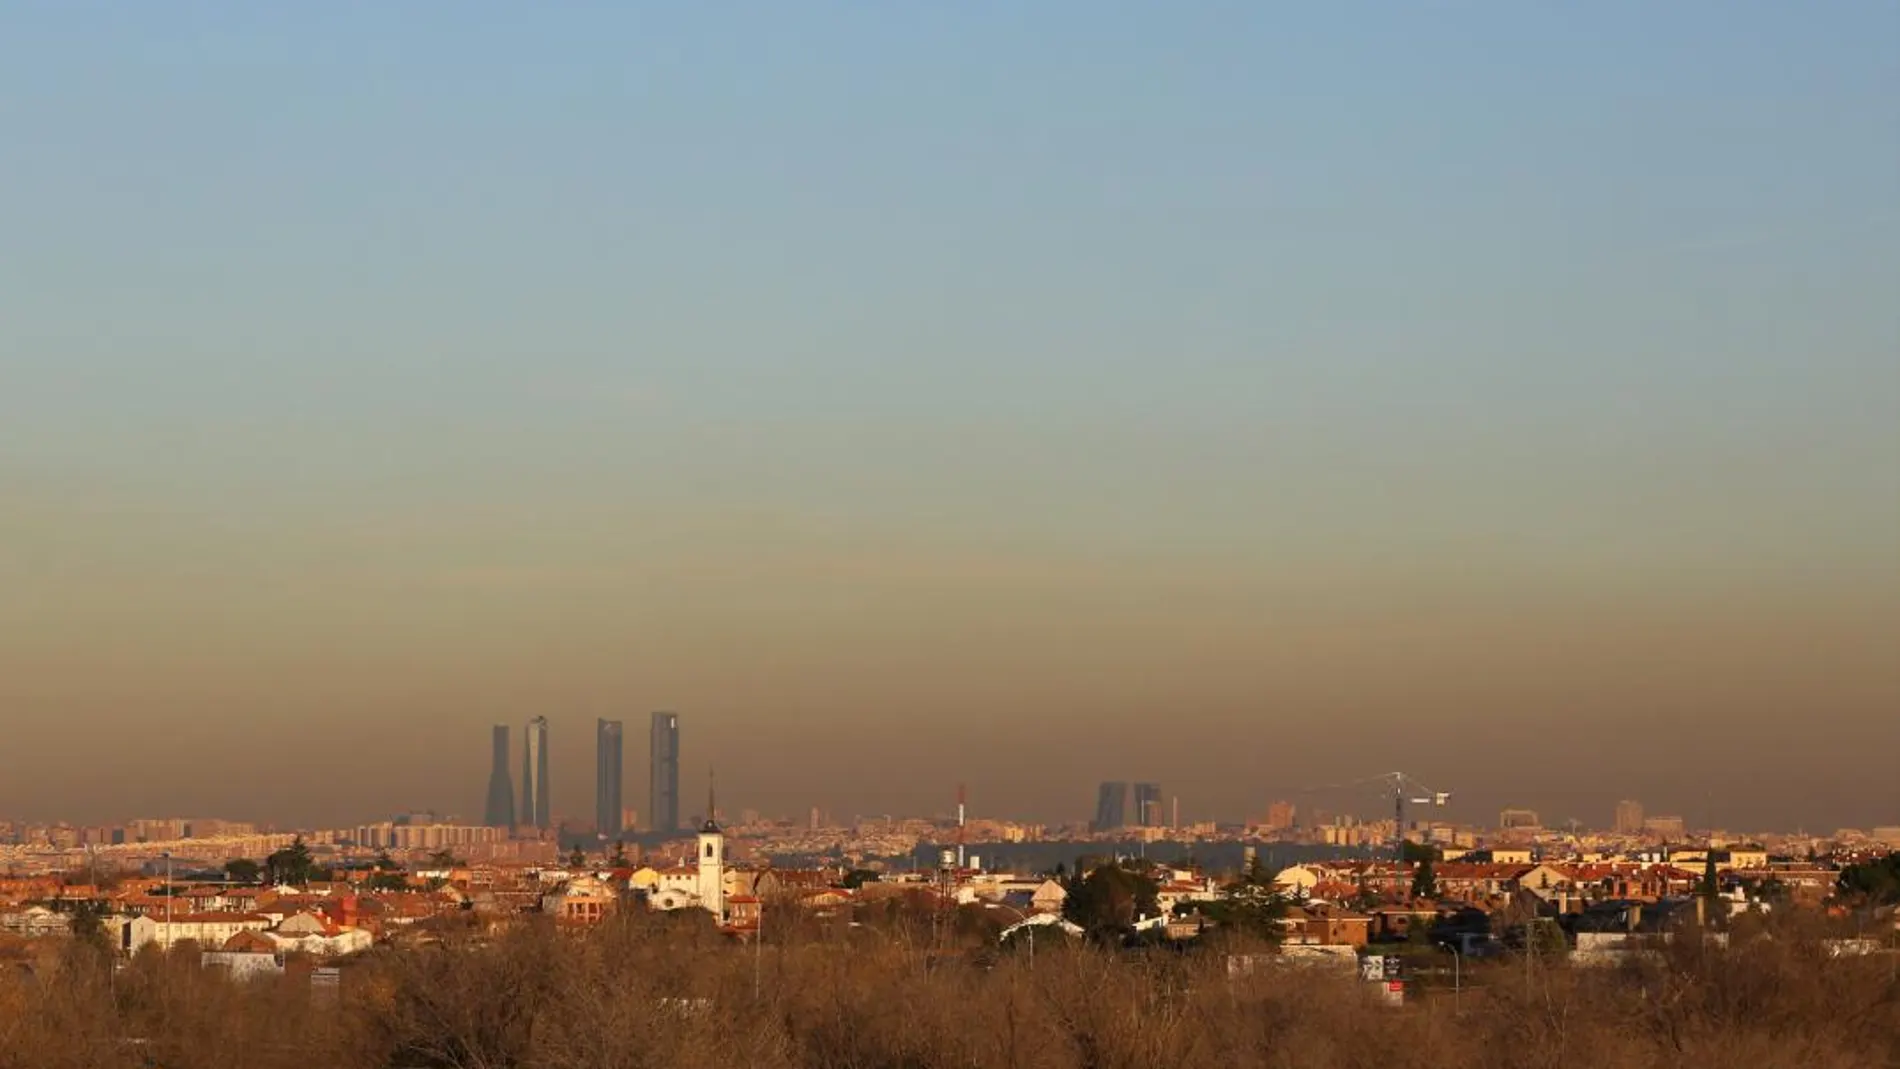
x,y
1111,806
712,859
500,812
663,776
607,755
1148,805
534,775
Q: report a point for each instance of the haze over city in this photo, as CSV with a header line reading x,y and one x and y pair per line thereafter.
x,y
1242,398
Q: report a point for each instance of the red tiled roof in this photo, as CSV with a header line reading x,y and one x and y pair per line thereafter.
x,y
249,942
214,918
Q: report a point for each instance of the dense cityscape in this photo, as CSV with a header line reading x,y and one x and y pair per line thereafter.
x,y
950,536
1342,879
1302,904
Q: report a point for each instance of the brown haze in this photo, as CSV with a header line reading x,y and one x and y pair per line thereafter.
x,y
1235,400
287,667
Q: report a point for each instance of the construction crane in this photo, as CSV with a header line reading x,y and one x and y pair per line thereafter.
x,y
1404,790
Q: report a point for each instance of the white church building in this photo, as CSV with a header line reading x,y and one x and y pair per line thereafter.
x,y
701,885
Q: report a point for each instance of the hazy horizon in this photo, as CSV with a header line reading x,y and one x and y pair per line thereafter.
x,y
1242,400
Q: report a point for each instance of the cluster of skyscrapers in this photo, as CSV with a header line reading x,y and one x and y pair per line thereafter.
x,y
609,738
1111,806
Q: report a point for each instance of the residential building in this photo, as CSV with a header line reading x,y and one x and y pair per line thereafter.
x,y
35,921
580,900
1324,924
1629,817
314,933
245,956
1281,816
1666,827
389,835
500,811
607,776
1519,818
1048,897
204,929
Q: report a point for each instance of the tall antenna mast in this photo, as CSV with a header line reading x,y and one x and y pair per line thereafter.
x,y
962,797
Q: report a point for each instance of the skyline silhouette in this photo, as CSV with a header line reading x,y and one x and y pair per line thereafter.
x,y
1237,399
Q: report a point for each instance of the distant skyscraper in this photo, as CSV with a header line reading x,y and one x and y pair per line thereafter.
x,y
1148,805
1111,806
607,754
1281,816
500,812
1629,817
663,776
534,775
1666,828
1519,818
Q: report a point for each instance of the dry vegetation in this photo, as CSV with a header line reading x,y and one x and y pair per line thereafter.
x,y
648,991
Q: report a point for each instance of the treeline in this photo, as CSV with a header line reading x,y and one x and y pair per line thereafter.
x,y
909,992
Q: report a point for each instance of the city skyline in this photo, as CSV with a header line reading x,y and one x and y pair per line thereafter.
x,y
1241,398
1628,817
1140,804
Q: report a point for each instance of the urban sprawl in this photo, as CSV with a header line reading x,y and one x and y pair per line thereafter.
x,y
1322,887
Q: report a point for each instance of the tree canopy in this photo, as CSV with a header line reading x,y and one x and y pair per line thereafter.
x,y
1108,901
292,865
1876,882
1252,905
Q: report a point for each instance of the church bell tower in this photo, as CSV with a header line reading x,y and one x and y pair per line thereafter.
x,y
712,860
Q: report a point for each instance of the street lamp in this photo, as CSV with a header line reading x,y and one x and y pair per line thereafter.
x,y
167,855
1457,979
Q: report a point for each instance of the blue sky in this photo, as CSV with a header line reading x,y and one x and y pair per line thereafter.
x,y
1468,304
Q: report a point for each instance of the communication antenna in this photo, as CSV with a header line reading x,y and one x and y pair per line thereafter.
x,y
962,797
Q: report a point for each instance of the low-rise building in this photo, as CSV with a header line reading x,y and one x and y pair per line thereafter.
x,y
33,922
205,929
581,900
314,933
